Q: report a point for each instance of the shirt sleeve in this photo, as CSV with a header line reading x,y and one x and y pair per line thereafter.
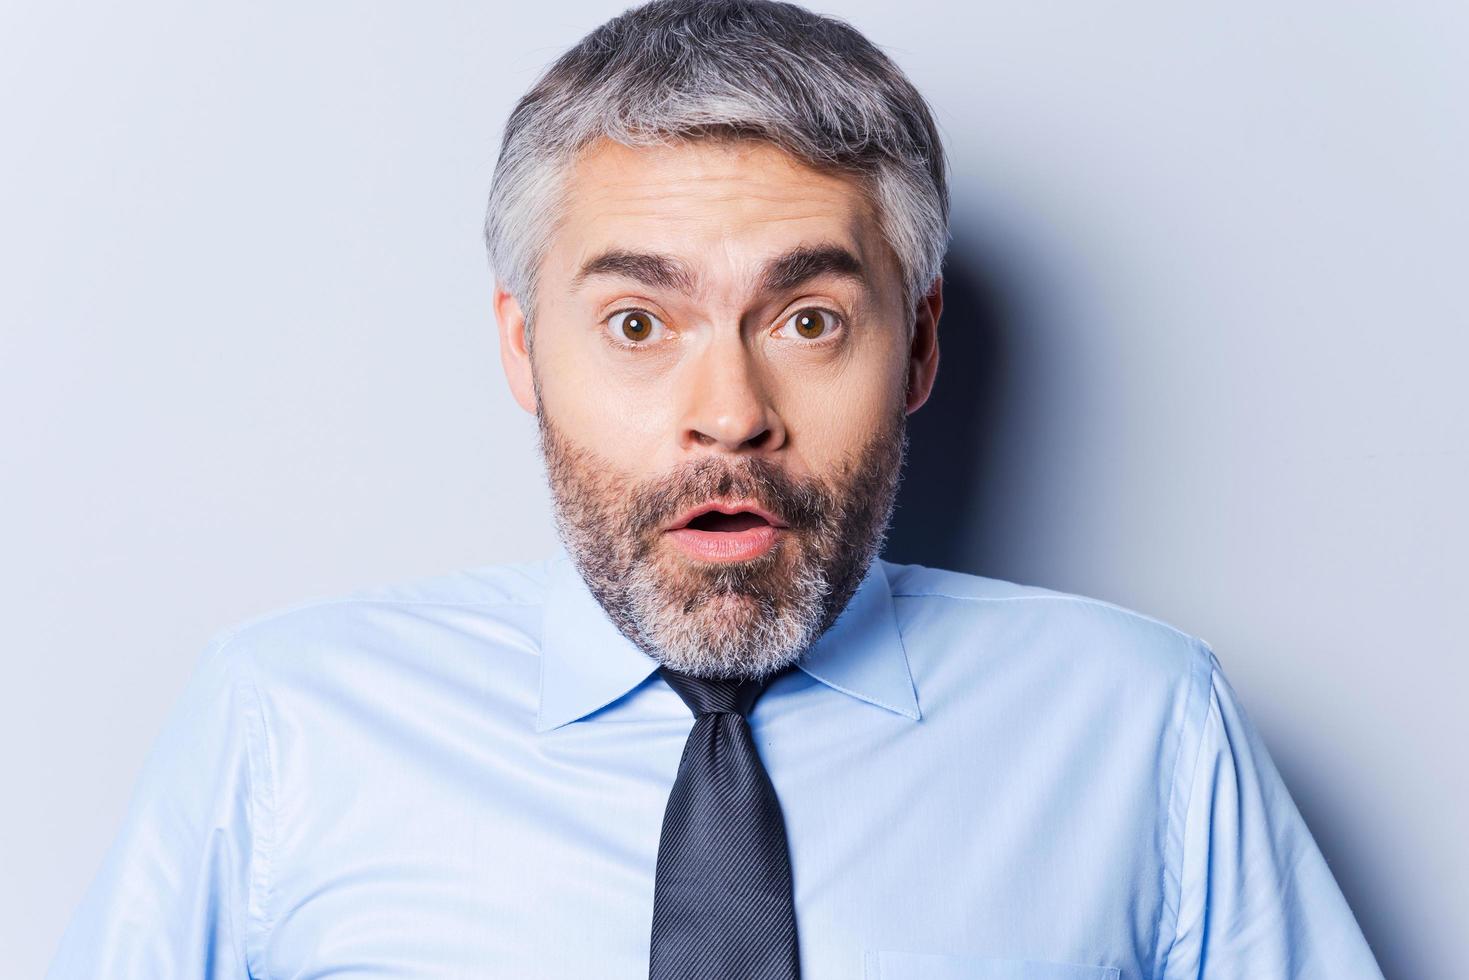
x,y
174,895
1256,898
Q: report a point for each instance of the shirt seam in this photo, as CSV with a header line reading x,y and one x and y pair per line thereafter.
x,y
1080,600
1168,923
260,752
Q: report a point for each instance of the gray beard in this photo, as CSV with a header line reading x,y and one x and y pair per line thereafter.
x,y
741,620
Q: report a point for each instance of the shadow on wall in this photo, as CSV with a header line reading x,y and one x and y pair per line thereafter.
x,y
949,513
941,511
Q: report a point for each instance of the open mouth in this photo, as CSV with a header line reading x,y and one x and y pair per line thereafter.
x,y
717,536
729,523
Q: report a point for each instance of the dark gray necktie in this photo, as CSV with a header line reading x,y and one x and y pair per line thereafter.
x,y
723,907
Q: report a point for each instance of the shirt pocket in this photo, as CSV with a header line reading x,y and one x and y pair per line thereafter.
x,y
889,964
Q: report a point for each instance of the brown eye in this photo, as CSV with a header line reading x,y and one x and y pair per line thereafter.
x,y
812,322
632,325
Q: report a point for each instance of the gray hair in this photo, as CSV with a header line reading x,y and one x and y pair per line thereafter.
x,y
688,69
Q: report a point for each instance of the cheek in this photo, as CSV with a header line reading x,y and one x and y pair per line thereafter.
x,y
624,424
839,415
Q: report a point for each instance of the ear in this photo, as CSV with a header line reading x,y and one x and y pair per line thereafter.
x,y
923,354
514,354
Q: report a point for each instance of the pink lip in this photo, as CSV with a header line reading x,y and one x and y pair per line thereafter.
x,y
726,546
726,507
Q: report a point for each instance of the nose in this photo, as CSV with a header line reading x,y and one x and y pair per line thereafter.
x,y
727,403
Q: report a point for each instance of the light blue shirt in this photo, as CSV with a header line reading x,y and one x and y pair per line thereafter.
x,y
465,776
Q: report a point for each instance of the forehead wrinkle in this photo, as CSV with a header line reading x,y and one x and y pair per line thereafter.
x,y
684,204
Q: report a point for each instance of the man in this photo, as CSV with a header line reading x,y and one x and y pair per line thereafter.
x,y
715,735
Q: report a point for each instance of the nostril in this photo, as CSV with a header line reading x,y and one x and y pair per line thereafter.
x,y
761,440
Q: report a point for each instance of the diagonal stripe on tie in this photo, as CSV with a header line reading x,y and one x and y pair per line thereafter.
x,y
723,905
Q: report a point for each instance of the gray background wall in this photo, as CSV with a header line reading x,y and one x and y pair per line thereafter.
x,y
1204,356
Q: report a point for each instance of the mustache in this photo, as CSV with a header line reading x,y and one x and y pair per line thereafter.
x,y
802,503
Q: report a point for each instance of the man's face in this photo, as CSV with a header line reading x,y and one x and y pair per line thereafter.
x,y
718,324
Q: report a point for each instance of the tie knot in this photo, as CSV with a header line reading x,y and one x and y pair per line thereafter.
x,y
716,695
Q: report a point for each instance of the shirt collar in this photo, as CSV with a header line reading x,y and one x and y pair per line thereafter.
x,y
586,662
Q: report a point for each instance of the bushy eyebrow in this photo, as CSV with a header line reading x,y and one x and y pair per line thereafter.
x,y
783,273
648,268
806,262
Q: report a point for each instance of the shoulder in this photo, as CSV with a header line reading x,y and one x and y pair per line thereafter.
x,y
489,604
1001,618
